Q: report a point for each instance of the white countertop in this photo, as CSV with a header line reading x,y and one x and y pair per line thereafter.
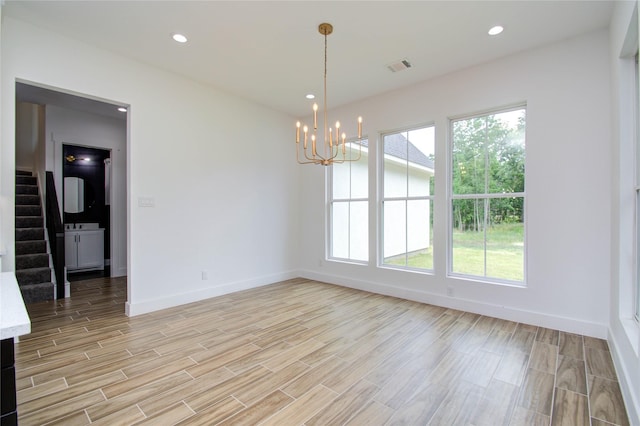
x,y
14,319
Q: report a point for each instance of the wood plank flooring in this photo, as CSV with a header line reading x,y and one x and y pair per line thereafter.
x,y
303,353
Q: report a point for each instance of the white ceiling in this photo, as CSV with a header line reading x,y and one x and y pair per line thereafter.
x,y
271,52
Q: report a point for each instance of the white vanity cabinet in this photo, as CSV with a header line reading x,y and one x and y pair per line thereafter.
x,y
84,249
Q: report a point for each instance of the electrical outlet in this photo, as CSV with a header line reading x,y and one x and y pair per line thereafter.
x,y
205,275
450,292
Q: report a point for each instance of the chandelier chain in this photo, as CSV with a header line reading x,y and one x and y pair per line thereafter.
x,y
326,122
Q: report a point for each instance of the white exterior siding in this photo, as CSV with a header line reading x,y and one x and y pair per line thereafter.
x,y
397,240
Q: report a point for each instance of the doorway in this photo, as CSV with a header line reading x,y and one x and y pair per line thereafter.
x,y
87,207
81,126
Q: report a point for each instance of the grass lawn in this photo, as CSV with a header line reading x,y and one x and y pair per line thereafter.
x,y
505,253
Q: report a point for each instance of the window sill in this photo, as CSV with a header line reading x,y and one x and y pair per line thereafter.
x,y
348,261
407,269
482,280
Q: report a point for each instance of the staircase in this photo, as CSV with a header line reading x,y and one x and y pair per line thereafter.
x,y
32,259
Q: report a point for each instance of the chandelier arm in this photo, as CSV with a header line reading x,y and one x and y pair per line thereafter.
x,y
318,159
304,150
336,153
307,157
311,160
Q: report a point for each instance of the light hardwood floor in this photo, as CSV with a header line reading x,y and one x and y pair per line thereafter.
x,y
303,352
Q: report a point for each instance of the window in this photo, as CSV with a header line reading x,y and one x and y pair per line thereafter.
x,y
487,196
349,207
407,201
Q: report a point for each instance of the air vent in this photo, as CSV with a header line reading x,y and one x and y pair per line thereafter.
x,y
400,65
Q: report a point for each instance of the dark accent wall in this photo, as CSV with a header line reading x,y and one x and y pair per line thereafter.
x,y
93,174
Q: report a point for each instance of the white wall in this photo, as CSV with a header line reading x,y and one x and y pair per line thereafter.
x,y
7,181
30,146
218,168
566,88
624,332
65,126
26,135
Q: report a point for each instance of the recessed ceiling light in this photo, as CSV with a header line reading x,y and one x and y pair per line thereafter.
x,y
179,38
122,109
496,30
310,96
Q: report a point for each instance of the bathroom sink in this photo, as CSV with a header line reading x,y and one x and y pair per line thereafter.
x,y
80,226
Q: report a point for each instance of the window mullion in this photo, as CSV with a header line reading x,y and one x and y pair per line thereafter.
x,y
406,233
486,224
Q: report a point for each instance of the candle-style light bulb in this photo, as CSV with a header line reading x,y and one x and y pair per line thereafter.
x,y
330,137
297,132
305,129
359,127
315,116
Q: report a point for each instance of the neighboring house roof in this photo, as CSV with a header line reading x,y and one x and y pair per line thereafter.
x,y
398,146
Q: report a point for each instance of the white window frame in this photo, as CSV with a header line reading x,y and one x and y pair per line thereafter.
x,y
636,174
486,199
330,204
430,198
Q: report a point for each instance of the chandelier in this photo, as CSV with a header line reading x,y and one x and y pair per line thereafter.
x,y
333,146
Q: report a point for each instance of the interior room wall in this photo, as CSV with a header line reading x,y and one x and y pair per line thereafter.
x,y
568,169
4,185
217,170
30,141
26,135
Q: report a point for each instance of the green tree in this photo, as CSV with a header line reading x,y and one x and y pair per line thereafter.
x,y
488,158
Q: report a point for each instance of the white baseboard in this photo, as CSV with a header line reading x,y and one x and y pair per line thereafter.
x,y
119,272
540,319
139,308
627,379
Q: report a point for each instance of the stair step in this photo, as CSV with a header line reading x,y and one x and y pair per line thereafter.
x,y
28,211
30,261
27,200
30,247
29,222
29,234
40,292
33,276
26,180
26,190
